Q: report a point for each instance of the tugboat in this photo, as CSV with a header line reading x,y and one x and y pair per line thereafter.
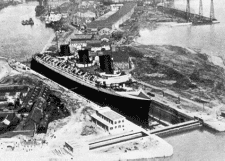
x,y
28,22
24,22
31,22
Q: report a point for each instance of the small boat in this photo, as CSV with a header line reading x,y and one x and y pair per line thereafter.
x,y
24,22
28,22
31,22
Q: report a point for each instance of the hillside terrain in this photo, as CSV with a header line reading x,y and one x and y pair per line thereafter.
x,y
192,74
77,129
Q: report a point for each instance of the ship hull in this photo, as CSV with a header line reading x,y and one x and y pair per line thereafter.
x,y
133,109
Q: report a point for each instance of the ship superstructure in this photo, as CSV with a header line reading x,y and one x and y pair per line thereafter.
x,y
97,73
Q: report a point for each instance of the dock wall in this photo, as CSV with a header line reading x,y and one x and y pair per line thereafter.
x,y
181,127
166,113
117,140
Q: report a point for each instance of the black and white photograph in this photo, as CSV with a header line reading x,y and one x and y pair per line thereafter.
x,y
112,80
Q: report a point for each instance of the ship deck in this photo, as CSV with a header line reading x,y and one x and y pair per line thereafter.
x,y
129,107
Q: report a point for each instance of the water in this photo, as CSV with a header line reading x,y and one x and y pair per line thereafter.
x,y
201,144
197,145
21,42
209,39
18,41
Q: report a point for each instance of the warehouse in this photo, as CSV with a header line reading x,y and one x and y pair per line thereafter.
x,y
113,21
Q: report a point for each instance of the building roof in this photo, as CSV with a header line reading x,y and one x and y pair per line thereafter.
x,y
65,7
106,15
87,14
45,91
113,18
94,43
104,36
82,37
30,98
36,115
77,42
118,56
29,125
112,115
13,88
6,117
101,120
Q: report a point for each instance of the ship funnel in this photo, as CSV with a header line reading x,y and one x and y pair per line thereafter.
x,y
84,56
106,63
65,50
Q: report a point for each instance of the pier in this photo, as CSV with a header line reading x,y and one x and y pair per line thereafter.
x,y
176,128
117,140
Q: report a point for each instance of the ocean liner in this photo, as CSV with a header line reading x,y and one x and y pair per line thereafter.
x,y
95,79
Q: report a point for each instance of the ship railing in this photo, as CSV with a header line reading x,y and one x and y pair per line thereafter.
x,y
78,76
45,58
48,58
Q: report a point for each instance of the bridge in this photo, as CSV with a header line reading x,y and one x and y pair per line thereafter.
x,y
187,15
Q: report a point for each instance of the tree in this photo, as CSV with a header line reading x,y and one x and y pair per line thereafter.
x,y
117,35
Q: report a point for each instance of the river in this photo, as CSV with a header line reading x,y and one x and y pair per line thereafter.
x,y
209,39
196,145
200,144
18,41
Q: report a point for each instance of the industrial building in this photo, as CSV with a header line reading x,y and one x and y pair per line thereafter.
x,y
118,1
113,21
56,3
109,120
30,102
80,41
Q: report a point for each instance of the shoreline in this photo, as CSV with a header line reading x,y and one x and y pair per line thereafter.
x,y
207,114
48,44
154,143
215,59
7,4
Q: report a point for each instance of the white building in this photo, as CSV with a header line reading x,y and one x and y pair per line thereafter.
x,y
109,120
105,31
87,14
116,6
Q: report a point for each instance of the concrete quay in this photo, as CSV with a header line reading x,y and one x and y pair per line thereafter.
x,y
208,120
151,153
